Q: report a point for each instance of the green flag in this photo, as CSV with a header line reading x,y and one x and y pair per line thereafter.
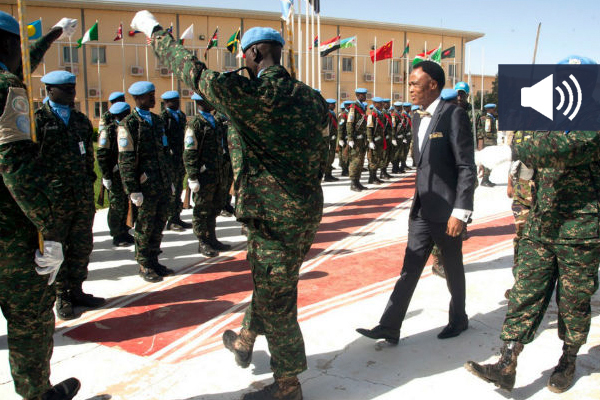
x,y
234,42
450,52
91,34
436,56
406,49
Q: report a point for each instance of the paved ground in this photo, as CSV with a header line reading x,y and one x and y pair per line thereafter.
x,y
162,341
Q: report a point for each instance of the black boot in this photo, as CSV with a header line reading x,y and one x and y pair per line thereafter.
x,y
205,248
161,270
228,210
377,180
65,390
355,185
240,345
385,174
149,274
345,172
503,373
382,175
212,237
79,298
285,388
173,226
371,177
64,306
361,186
562,377
123,240
330,178
487,183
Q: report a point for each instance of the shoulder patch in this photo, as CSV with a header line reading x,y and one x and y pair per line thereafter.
x,y
103,140
189,141
125,140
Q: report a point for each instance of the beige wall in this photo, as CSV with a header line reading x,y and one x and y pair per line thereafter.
x,y
476,83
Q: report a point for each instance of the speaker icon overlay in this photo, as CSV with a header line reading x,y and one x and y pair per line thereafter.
x,y
549,97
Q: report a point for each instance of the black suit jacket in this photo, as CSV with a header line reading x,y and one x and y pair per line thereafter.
x,y
446,170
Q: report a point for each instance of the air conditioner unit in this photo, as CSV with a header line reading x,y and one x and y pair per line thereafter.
x,y
136,70
397,96
186,93
329,76
343,95
368,77
43,92
72,69
398,79
164,71
93,92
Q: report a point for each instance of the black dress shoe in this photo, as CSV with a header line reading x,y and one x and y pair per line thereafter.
x,y
379,332
452,330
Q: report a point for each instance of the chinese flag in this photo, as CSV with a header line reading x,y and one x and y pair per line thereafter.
x,y
383,52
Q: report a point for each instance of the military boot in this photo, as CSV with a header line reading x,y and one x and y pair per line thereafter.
x,y
205,248
149,274
282,389
503,373
330,178
212,237
562,377
377,180
345,172
64,307
65,390
355,185
384,173
371,177
161,270
485,182
361,186
240,345
123,240
79,298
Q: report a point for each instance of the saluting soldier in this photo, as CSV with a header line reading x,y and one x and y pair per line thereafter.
x,y
145,166
356,131
204,164
376,138
26,294
487,135
67,153
175,121
108,161
331,142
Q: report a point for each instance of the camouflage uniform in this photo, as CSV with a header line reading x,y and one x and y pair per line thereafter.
x,y
405,137
332,142
395,149
488,135
276,145
356,131
387,150
203,158
341,135
25,208
108,161
145,165
376,130
106,119
560,239
174,130
227,175
67,155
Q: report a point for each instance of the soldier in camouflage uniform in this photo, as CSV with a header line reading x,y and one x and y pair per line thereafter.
x,y
107,117
227,209
559,248
387,148
175,121
204,164
395,143
406,134
487,135
332,142
145,165
356,132
108,161
278,122
342,139
376,130
26,297
67,154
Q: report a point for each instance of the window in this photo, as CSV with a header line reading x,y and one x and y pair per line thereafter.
x,y
190,108
98,52
451,70
100,108
347,64
327,64
68,52
230,61
396,67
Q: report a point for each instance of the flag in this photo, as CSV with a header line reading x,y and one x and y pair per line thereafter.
x,y
213,42
234,42
133,33
119,33
348,42
316,5
383,52
406,49
329,46
287,9
436,56
449,53
315,43
187,34
34,30
426,56
91,34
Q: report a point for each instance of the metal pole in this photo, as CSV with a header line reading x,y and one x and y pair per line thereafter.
x,y
318,50
123,56
392,74
375,68
356,64
300,66
482,66
99,79
312,55
84,63
537,38
307,42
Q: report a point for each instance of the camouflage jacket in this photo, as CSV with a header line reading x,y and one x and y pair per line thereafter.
x,y
388,123
356,126
203,153
144,159
25,205
333,126
486,130
342,118
278,122
108,150
376,127
566,199
106,119
175,131
66,153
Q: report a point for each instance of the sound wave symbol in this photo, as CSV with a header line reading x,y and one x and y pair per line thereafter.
x,y
570,92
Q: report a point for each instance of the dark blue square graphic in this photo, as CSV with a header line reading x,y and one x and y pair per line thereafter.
x,y
549,97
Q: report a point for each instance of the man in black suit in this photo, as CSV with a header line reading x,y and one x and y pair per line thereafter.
x,y
443,201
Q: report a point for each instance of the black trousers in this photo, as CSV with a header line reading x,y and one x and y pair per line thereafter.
x,y
422,234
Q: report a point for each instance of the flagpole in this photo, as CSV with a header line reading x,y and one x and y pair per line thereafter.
x,y
172,75
300,59
71,54
307,42
407,68
318,54
99,79
43,58
356,64
312,55
147,71
375,68
472,101
454,75
482,66
123,57
392,74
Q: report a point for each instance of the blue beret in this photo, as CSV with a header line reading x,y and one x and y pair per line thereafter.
x,y
58,78
361,91
115,95
170,95
407,104
348,102
398,104
118,108
386,100
464,86
577,60
331,101
449,94
413,108
342,106
140,88
489,105
196,96
9,24
376,99
258,35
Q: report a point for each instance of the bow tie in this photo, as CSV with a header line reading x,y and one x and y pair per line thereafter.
x,y
423,113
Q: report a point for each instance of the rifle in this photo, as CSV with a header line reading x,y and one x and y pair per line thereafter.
x,y
100,200
186,199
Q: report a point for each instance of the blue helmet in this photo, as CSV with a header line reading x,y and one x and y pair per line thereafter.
x,y
464,86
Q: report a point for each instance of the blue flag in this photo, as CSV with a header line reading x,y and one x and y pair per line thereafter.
x,y
34,29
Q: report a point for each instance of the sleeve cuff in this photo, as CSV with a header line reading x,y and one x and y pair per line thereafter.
x,y
461,214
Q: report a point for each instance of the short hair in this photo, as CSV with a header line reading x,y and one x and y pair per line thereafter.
x,y
434,70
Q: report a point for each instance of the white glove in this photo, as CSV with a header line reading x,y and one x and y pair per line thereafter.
x,y
394,142
144,22
107,183
372,145
351,143
137,198
172,189
194,185
68,26
404,141
342,143
49,262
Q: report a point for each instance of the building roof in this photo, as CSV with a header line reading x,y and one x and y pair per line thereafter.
x,y
234,13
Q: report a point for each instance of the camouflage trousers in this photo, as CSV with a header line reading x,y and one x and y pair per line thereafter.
x,y
176,204
344,156
276,251
486,174
26,301
387,153
149,225
357,160
573,269
395,152
330,155
520,212
75,220
226,182
376,157
208,202
117,208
